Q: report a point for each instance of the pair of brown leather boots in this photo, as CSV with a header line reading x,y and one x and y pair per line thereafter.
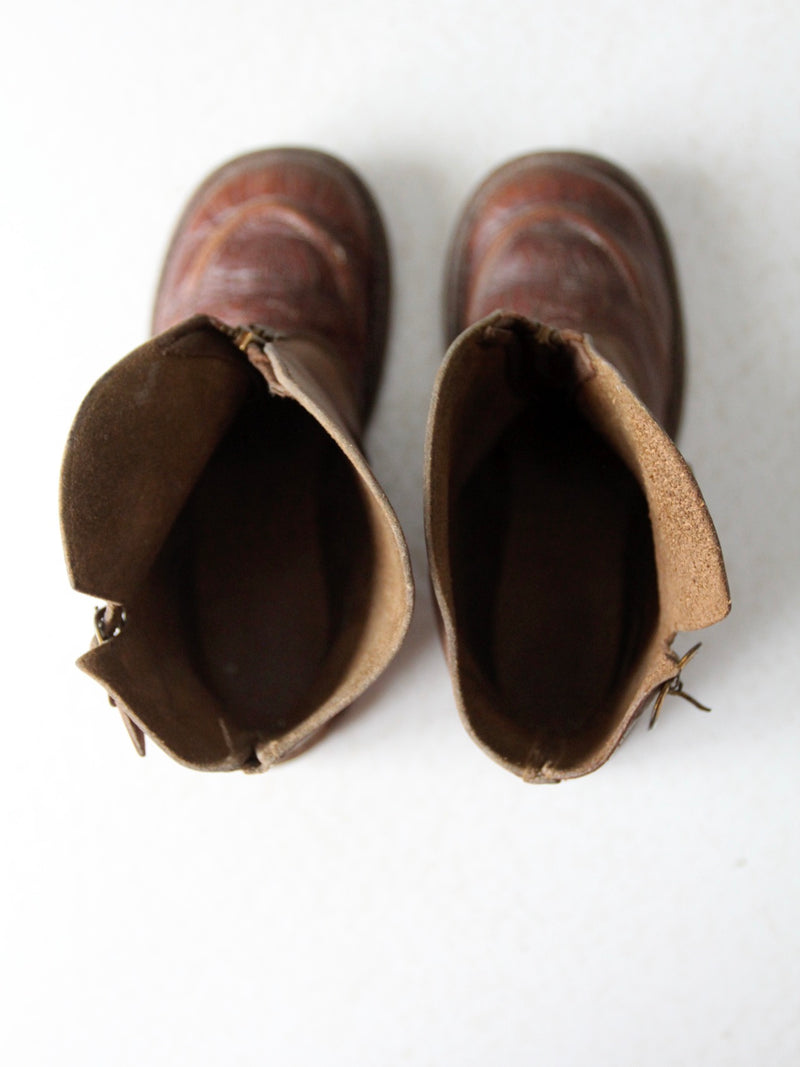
x,y
215,493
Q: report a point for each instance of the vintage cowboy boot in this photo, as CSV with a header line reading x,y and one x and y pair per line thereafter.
x,y
214,490
568,540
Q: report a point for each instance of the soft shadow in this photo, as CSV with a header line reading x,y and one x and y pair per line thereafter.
x,y
419,209
418,212
739,432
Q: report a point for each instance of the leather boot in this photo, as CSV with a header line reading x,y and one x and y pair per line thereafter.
x,y
568,540
214,489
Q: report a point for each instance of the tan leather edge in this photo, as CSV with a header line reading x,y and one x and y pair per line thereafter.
x,y
436,509
285,365
692,582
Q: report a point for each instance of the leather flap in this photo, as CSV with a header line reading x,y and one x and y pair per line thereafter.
x,y
692,583
138,443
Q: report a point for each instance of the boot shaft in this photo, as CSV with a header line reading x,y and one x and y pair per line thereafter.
x,y
567,538
214,490
568,544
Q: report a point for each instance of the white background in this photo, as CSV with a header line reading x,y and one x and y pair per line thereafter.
x,y
392,896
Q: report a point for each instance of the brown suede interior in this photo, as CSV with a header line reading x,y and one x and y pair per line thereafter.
x,y
268,567
553,571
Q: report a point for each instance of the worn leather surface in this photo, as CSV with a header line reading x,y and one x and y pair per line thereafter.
x,y
573,241
291,238
568,540
220,497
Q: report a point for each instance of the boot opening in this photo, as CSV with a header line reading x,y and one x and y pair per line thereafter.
x,y
261,569
554,575
271,561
